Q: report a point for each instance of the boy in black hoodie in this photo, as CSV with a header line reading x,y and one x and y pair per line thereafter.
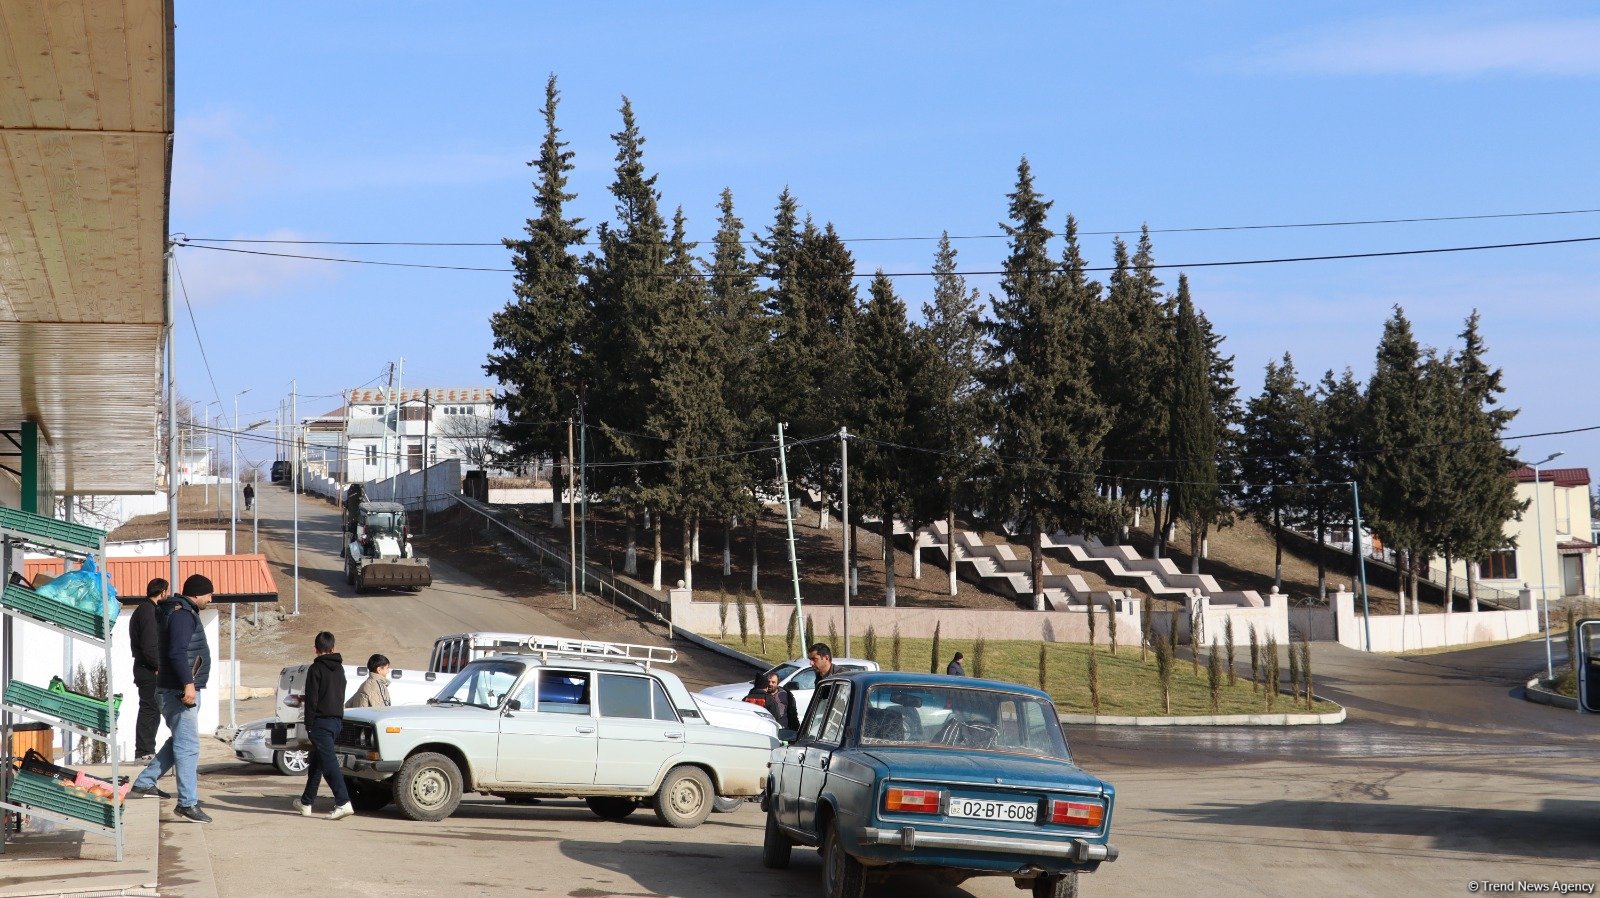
x,y
324,710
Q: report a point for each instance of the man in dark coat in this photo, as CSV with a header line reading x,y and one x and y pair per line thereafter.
x,y
780,704
185,671
324,710
249,496
144,638
954,668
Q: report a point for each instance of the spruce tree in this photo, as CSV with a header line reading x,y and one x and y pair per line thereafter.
x,y
954,354
1484,462
1192,427
1335,442
1132,346
1394,481
1276,463
1048,422
539,335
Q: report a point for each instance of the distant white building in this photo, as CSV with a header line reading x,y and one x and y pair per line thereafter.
x,y
380,432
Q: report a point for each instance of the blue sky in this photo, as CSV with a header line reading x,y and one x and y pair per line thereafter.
x,y
415,121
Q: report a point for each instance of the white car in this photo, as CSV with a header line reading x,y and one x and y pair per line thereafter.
x,y
797,676
618,733
250,744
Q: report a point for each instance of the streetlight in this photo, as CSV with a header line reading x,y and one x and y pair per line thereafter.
x,y
205,442
1538,514
233,477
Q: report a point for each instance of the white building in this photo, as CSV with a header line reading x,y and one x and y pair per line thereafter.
x,y
382,432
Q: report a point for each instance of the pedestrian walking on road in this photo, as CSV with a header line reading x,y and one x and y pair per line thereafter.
x,y
144,638
954,668
249,496
185,670
374,691
324,710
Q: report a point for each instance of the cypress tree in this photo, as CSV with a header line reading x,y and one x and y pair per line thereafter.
x,y
1394,484
1335,425
1048,422
1276,463
1132,346
539,335
1192,427
1484,463
953,354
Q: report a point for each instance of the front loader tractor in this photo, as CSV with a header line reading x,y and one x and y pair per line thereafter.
x,y
378,552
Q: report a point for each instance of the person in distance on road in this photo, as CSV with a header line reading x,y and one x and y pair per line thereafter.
x,y
821,658
324,710
954,668
249,496
374,691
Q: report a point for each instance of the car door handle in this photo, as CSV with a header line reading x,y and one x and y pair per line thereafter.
x,y
823,763
674,735
585,730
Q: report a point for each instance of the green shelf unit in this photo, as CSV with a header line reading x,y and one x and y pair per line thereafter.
x,y
43,531
43,792
86,712
58,614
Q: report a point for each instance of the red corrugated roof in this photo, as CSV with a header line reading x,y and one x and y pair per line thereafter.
x,y
236,578
1574,546
1557,476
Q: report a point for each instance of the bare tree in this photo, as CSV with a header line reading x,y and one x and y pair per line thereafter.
x,y
471,437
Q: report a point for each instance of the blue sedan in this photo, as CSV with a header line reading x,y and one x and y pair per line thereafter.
x,y
957,776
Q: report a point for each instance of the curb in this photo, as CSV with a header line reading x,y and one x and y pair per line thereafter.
x,y
718,647
1537,694
1208,720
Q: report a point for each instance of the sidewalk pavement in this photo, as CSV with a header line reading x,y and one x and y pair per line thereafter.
x,y
65,861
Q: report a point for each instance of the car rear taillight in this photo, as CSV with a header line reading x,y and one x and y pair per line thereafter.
x,y
913,801
1085,814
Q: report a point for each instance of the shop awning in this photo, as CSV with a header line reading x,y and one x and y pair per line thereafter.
x,y
236,578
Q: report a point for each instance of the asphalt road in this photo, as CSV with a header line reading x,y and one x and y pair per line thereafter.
x,y
1442,776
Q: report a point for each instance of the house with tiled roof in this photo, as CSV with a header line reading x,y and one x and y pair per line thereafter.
x,y
1555,548
380,432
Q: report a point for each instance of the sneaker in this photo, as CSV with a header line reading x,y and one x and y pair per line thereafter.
x,y
302,807
194,813
341,812
153,791
145,758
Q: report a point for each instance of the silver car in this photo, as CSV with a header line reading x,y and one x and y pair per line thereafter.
x,y
250,744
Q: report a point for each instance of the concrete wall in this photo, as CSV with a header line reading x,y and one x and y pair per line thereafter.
x,y
1270,619
1394,633
521,496
444,481
190,542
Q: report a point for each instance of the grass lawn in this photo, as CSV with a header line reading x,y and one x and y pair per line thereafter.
x,y
1128,686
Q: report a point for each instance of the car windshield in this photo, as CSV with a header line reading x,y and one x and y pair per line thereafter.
x,y
968,718
381,521
483,684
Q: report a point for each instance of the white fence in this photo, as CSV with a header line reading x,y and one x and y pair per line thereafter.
x,y
1403,633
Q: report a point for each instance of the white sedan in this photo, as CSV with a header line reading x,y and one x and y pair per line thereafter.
x,y
250,744
797,676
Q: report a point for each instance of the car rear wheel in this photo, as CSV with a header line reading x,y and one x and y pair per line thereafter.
x,y
612,808
368,797
724,805
1056,886
428,787
775,846
291,763
685,799
842,875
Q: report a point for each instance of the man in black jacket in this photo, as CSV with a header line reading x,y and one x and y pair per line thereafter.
x,y
185,671
324,710
780,703
144,637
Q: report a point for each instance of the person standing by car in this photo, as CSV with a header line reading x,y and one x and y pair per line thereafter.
x,y
780,704
324,712
185,671
954,668
144,638
374,691
821,658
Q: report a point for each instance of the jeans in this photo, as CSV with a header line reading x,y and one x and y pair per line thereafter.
x,y
324,763
144,733
181,751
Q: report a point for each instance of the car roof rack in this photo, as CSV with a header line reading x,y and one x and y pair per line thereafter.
x,y
559,646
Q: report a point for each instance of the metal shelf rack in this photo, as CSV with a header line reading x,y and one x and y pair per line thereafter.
x,y
20,529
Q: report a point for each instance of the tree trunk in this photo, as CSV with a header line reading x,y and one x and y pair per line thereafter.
x,y
1449,585
559,482
727,547
630,558
695,549
755,554
690,531
822,511
1277,549
1472,586
655,575
1196,535
950,548
855,560
1156,528
1322,561
1036,543
916,554
888,558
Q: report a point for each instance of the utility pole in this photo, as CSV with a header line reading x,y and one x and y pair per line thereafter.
x,y
788,519
294,483
399,427
572,520
427,421
1361,562
844,529
583,496
172,445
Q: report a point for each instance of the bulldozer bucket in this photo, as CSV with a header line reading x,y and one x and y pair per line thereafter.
x,y
395,574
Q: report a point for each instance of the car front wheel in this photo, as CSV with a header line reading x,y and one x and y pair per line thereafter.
x,y
1056,886
291,763
842,875
775,846
685,799
428,787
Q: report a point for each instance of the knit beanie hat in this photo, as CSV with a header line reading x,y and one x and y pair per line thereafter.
x,y
197,585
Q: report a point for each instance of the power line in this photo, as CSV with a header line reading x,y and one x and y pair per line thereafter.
x,y
1175,230
908,274
184,288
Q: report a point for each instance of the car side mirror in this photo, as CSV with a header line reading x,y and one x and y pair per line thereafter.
x,y
513,705
786,735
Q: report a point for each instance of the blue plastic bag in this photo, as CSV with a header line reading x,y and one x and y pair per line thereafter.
x,y
81,589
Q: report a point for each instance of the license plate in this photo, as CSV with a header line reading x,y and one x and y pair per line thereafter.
x,y
1013,811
